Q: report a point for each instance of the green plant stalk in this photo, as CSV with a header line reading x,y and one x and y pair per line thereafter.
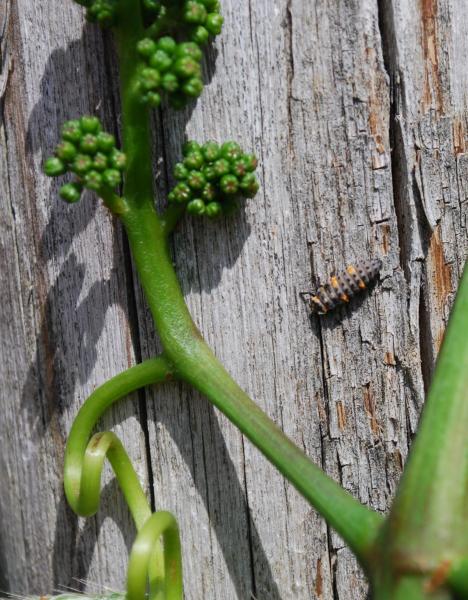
x,y
114,203
195,363
458,577
183,345
429,513
171,217
138,190
428,525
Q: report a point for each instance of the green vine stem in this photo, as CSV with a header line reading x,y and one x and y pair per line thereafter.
x,y
186,355
427,527
457,577
193,361
432,498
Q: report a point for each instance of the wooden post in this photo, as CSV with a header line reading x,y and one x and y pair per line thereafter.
x,y
358,113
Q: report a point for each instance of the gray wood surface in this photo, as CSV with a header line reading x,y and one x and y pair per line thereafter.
x,y
358,111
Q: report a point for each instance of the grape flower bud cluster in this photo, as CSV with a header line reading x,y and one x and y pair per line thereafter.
x,y
198,19
174,68
203,19
91,154
212,178
100,11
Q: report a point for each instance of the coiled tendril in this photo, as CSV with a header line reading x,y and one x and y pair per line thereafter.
x,y
150,559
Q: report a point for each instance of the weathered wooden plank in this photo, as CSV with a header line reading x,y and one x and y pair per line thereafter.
x,y
64,315
305,85
343,191
426,51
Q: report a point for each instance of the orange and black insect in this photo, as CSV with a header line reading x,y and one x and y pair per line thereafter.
x,y
341,288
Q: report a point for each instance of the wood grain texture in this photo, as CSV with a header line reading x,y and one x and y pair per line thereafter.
x,y
425,43
65,311
358,111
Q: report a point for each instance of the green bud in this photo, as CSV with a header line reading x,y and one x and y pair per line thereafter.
x,y
111,178
209,172
194,160
66,151
239,168
193,87
150,78
96,6
211,151
93,12
209,192
160,60
99,161
231,151
186,67
153,99
105,141
102,11
196,180
196,207
90,124
89,144
214,23
229,184
211,5
171,196
250,161
70,192
167,44
169,83
190,146
53,167
181,193
221,167
146,47
93,180
151,4
249,185
213,209
200,35
189,49
194,13
71,131
180,171
81,164
118,160
105,17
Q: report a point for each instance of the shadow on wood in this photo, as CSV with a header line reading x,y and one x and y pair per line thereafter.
x,y
51,383
79,546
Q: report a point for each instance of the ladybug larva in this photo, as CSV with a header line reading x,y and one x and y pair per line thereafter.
x,y
341,288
